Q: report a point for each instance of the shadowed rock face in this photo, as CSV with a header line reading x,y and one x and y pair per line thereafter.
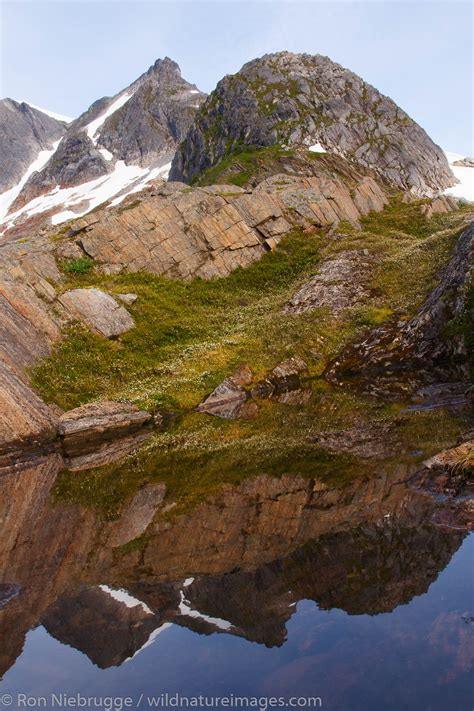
x,y
298,98
365,548
24,132
432,347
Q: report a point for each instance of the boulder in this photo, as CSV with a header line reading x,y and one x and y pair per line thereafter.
x,y
289,368
86,426
128,299
97,310
229,399
338,285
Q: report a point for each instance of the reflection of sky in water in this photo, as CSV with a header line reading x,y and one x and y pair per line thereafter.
x,y
415,658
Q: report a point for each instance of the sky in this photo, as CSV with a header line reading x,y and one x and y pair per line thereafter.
x,y
65,54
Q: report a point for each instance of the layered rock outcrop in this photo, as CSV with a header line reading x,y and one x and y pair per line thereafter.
x,y
87,426
290,99
210,231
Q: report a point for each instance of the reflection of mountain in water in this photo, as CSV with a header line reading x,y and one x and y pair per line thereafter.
x,y
236,564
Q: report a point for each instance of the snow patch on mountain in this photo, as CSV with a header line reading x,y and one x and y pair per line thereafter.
x,y
93,127
53,114
94,192
79,200
105,153
9,196
317,148
465,187
124,597
154,173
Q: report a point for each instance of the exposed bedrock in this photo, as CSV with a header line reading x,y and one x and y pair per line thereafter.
x,y
295,99
433,346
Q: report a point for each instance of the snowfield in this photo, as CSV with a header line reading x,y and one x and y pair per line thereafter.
x,y
125,598
9,196
123,181
465,187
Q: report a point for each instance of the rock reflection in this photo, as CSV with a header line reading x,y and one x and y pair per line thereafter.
x,y
236,564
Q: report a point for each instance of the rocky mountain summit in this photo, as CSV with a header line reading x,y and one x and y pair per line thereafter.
x,y
141,125
24,132
290,99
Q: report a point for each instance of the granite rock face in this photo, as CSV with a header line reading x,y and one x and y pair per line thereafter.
x,y
293,99
25,420
338,285
24,132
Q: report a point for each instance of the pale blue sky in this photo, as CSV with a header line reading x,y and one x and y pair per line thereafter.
x,y
63,55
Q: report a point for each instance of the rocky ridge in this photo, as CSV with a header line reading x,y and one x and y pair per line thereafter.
x,y
24,132
295,99
141,126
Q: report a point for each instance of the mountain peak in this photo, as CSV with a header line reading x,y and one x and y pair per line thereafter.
x,y
302,99
25,132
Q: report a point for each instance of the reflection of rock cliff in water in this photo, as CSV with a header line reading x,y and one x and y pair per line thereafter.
x,y
365,548
107,629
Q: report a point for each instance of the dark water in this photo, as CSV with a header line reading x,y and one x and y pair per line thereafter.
x,y
359,596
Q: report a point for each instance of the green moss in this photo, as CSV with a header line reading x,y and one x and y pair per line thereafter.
x,y
402,217
199,454
81,265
